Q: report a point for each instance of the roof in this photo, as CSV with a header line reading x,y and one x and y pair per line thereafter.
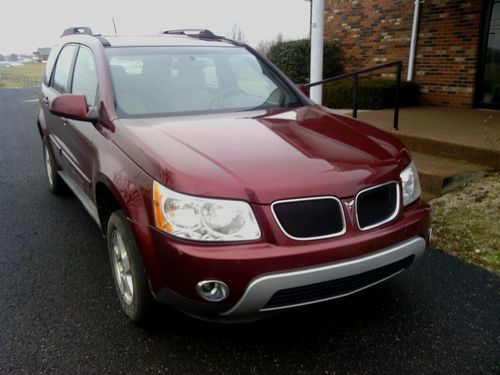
x,y
162,40
180,37
43,51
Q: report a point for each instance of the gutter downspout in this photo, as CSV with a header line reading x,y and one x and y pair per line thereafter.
x,y
413,43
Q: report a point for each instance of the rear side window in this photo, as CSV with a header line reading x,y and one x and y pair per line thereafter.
x,y
85,76
50,63
60,81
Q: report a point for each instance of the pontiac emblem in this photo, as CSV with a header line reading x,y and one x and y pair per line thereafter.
x,y
349,205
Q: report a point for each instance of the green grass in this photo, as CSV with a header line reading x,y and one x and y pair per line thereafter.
x,y
28,74
466,222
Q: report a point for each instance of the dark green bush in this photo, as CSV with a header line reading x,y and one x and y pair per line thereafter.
x,y
373,93
294,59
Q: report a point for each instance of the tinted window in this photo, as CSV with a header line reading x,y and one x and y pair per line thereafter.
x,y
62,69
85,76
159,81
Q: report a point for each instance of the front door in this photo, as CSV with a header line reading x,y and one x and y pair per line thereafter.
x,y
77,136
489,80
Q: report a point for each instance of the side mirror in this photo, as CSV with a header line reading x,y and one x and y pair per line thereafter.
x,y
303,88
72,106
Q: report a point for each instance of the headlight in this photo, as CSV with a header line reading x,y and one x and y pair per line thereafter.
x,y
411,184
203,219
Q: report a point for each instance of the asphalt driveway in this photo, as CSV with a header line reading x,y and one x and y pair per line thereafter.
x,y
59,312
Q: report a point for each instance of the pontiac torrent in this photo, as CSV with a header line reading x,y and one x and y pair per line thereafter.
x,y
219,187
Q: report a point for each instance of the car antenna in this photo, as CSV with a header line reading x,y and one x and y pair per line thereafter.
x,y
114,25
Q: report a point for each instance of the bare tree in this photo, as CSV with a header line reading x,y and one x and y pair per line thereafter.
x,y
265,45
236,33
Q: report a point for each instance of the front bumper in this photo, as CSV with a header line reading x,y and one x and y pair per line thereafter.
x,y
261,290
255,272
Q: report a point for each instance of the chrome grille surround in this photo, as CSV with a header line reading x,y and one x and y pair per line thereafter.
x,y
336,234
387,219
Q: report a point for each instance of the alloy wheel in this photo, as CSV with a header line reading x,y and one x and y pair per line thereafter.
x,y
121,264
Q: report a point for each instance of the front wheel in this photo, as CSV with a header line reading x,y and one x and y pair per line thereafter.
x,y
128,273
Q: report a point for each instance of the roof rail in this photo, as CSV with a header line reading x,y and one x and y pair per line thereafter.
x,y
204,34
77,30
83,30
103,40
194,33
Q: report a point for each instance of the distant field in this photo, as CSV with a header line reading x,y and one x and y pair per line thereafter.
x,y
29,74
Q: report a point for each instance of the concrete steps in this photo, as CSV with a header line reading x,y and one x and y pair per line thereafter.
x,y
439,174
444,166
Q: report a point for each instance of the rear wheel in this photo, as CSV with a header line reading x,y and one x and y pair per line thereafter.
x,y
128,273
56,183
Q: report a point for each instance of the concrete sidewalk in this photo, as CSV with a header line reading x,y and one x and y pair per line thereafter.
x,y
472,128
478,128
450,146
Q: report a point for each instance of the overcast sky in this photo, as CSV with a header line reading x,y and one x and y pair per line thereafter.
x,y
28,24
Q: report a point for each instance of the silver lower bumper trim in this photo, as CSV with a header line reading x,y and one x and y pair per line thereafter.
x,y
261,289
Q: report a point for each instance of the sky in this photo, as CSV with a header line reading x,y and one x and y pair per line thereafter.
x,y
30,24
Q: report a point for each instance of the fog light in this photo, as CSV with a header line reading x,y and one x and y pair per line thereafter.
x,y
212,290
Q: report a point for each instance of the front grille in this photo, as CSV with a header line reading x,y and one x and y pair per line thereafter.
x,y
377,205
310,218
335,288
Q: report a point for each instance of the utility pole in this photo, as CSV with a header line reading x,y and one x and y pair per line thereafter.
x,y
317,40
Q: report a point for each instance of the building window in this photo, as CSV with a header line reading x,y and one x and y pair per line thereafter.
x,y
490,85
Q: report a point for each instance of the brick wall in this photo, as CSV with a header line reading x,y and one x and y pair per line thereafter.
x,y
371,32
447,52
376,31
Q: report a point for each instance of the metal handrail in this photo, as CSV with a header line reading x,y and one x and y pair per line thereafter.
x,y
355,92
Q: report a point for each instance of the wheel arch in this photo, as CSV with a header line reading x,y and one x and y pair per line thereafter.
x,y
39,127
123,194
40,124
107,202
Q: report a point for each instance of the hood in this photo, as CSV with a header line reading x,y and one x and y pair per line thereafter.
x,y
262,156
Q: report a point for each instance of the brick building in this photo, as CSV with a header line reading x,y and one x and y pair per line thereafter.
x,y
457,60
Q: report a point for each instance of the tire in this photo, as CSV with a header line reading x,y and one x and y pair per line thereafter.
x,y
128,272
56,183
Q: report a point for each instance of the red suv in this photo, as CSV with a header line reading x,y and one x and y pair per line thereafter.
x,y
220,188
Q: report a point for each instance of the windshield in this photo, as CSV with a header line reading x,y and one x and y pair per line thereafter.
x,y
159,81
